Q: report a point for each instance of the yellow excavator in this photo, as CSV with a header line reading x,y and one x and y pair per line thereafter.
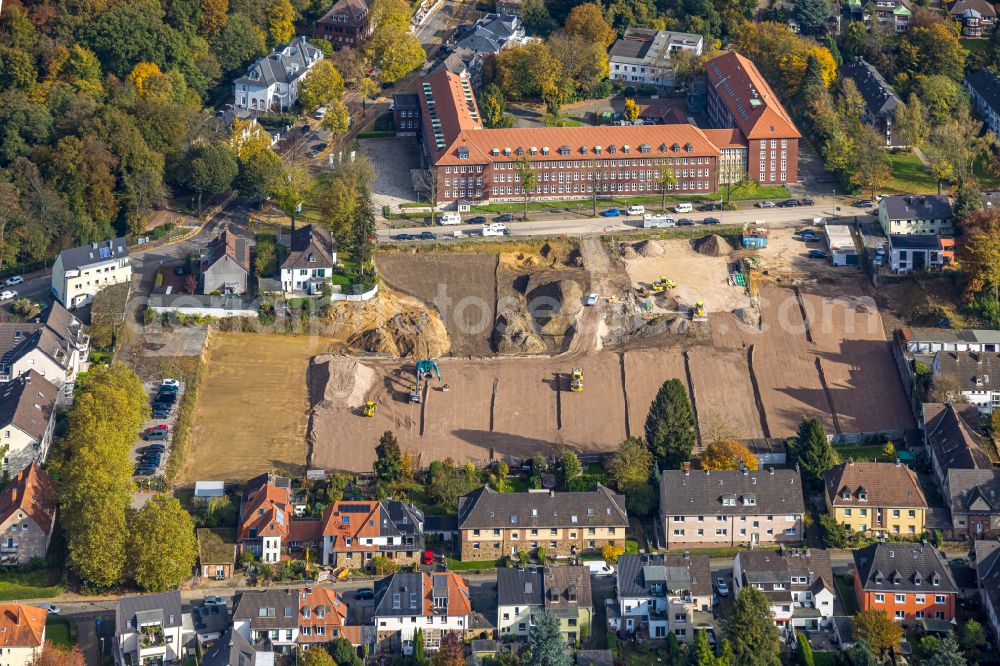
x,y
698,311
576,380
369,409
663,284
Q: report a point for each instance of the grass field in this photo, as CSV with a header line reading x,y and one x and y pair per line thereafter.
x,y
862,453
253,413
57,630
585,206
909,175
38,584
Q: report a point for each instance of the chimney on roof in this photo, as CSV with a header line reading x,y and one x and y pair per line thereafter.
x,y
770,470
898,462
686,466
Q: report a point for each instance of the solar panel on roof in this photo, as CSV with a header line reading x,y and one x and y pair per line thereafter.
x,y
354,508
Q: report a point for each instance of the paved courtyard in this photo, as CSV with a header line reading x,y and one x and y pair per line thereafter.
x,y
392,158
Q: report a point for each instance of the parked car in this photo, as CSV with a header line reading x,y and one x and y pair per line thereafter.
x,y
51,608
403,237
591,299
169,388
428,557
599,568
428,235
611,212
765,204
161,413
708,207
365,593
8,294
12,281
711,220
144,471
506,217
153,448
720,585
685,222
320,113
479,219
807,202
162,426
809,236
156,436
817,254
789,203
214,600
864,203
168,397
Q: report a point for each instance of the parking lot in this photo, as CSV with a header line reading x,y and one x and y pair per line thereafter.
x,y
162,420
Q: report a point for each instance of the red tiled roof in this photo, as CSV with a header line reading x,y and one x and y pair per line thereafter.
x,y
21,625
726,138
334,613
454,108
33,493
266,510
458,594
741,86
362,520
305,530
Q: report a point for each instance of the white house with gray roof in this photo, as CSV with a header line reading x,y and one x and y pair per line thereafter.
x,y
55,345
916,214
798,585
151,629
661,594
272,83
80,272
27,419
646,57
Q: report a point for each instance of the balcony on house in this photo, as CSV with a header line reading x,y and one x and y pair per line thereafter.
x,y
151,637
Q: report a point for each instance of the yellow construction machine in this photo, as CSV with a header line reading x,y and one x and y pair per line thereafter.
x,y
663,284
369,409
698,311
576,380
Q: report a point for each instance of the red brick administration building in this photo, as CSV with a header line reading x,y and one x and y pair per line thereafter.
x,y
475,164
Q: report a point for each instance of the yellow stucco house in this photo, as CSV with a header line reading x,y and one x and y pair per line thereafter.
x,y
884,498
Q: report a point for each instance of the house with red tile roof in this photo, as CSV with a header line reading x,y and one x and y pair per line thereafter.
x,y
22,633
322,615
406,602
265,517
355,532
27,516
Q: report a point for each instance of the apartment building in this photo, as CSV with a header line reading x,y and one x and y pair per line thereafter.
x,y
740,97
272,83
975,374
881,101
663,593
984,87
492,524
730,508
883,498
149,629
54,345
346,23
563,591
916,214
414,601
953,439
798,584
987,556
80,272
268,619
645,57
27,420
909,582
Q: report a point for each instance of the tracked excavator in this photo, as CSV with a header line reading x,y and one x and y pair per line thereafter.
x,y
426,368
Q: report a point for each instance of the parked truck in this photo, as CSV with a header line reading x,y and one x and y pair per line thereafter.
x,y
495,229
449,218
653,221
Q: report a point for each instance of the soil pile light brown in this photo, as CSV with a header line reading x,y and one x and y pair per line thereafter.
x,y
392,324
628,252
339,381
515,333
713,246
649,248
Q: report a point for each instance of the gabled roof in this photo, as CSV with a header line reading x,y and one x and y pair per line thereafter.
x,y
987,85
321,607
27,402
974,490
914,242
775,491
360,519
30,492
406,594
520,587
164,608
485,508
491,33
94,253
793,570
53,334
228,244
971,371
286,63
874,484
981,7
879,96
567,588
749,98
917,207
234,650
988,570
268,609
954,437
355,13
903,567
21,625
637,574
311,247
265,507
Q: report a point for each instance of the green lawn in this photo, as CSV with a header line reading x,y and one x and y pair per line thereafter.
x,y
861,453
824,658
726,552
38,584
458,565
845,590
909,175
57,630
585,206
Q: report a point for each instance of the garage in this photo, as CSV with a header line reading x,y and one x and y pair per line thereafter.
x,y
840,243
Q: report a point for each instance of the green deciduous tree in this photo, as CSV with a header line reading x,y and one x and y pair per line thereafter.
x,y
568,467
749,627
163,548
877,630
546,643
211,168
527,179
972,636
979,251
388,458
670,425
632,462
239,42
322,86
261,172
932,49
641,497
395,51
911,122
870,168
813,454
317,656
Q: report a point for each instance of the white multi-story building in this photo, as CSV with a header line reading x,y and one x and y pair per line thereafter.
x,y
272,83
645,57
268,619
975,374
432,603
54,346
149,629
797,583
80,272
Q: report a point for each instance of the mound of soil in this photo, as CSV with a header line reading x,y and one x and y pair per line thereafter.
x,y
649,248
338,381
555,298
628,252
391,324
515,333
713,246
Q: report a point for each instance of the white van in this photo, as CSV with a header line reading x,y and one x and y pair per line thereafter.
x,y
657,221
599,568
495,229
449,218
635,210
683,208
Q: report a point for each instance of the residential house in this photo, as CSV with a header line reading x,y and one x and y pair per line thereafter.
x,y
881,101
894,15
23,630
462,62
740,97
526,592
346,23
930,340
974,498
492,524
265,516
322,616
984,87
973,373
884,498
988,582
663,593
216,552
909,582
272,83
234,650
645,57
80,272
27,419
268,619
916,214
798,585
490,35
225,264
910,252
312,255
210,621
978,18
953,438
353,533
406,602
54,345
27,516
730,508
149,629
